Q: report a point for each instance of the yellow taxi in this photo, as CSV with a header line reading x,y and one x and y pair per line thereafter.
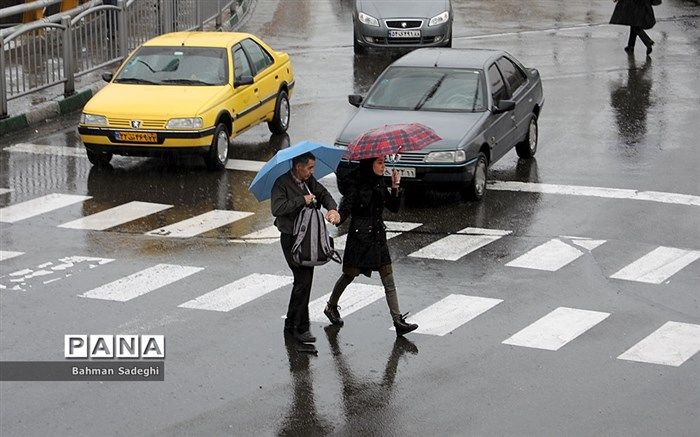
x,y
188,92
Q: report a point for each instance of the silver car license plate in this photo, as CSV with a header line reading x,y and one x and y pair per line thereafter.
x,y
404,34
405,172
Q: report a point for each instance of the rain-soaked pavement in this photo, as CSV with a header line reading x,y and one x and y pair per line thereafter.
x,y
614,270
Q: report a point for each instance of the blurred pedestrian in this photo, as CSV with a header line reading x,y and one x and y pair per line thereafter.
x,y
291,192
638,15
366,249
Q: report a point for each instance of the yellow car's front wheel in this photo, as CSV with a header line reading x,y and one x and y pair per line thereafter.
x,y
99,159
218,151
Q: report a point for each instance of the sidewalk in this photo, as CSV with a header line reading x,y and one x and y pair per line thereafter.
x,y
50,103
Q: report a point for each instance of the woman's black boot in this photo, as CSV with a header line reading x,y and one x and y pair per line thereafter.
x,y
401,326
333,315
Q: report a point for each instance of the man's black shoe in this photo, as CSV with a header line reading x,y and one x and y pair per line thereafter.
x,y
305,337
333,315
306,348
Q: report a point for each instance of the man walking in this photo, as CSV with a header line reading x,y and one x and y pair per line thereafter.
x,y
291,192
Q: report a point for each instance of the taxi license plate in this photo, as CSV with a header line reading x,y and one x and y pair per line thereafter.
x,y
136,137
405,172
404,34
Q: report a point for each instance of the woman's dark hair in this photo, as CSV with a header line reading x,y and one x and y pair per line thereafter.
x,y
303,159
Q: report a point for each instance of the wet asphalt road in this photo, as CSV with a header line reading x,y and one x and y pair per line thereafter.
x,y
608,121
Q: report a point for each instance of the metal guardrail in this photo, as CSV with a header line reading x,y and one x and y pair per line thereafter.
x,y
47,53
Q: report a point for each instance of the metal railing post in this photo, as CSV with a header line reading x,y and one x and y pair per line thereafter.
x,y
123,29
200,23
68,65
219,14
167,12
3,84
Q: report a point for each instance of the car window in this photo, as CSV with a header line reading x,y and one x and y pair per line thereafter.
x,y
241,66
498,88
176,65
259,58
513,75
427,89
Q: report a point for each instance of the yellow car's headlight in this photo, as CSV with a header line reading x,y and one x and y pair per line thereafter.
x,y
184,123
93,119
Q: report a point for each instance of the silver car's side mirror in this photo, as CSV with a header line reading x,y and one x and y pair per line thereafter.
x,y
504,106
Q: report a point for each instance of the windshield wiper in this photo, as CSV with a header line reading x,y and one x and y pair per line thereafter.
x,y
431,92
136,80
187,81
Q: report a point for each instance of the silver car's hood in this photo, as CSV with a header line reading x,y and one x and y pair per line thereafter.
x,y
453,127
383,9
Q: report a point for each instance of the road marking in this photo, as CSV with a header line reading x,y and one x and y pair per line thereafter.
x,y
142,282
611,193
48,272
268,235
199,224
244,165
393,229
238,293
671,345
587,243
557,328
450,313
550,256
658,265
7,254
5,190
455,246
118,215
41,149
40,205
355,297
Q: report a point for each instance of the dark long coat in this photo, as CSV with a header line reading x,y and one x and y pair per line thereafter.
x,y
366,248
634,13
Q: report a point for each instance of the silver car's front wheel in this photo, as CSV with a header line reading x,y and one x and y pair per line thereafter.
x,y
528,146
476,188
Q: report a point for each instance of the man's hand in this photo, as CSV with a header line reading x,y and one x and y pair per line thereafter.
x,y
333,216
308,198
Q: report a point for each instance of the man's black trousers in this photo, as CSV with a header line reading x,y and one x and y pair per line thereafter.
x,y
298,312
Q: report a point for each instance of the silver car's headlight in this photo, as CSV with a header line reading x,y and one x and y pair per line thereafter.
x,y
440,157
184,123
367,19
439,19
461,156
93,119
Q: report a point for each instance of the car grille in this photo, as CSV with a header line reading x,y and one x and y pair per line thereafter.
x,y
398,24
145,124
411,157
403,40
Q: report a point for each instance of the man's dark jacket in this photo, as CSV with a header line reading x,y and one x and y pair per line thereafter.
x,y
288,200
634,13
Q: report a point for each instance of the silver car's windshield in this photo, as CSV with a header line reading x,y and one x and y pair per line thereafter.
x,y
427,89
176,66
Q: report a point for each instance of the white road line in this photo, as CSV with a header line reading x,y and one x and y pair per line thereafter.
x,y
238,293
244,165
611,193
455,246
671,345
142,282
355,297
7,254
40,149
658,265
393,229
49,271
268,235
588,244
40,205
200,224
557,328
5,190
550,256
116,216
450,313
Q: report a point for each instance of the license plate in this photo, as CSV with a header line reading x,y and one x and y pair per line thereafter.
x,y
404,34
405,172
136,137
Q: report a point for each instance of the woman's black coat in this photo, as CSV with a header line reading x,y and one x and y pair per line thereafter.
x,y
366,247
637,13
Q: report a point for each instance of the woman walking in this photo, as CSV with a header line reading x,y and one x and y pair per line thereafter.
x,y
366,249
639,15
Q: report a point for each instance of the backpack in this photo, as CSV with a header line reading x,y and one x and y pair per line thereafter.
x,y
312,245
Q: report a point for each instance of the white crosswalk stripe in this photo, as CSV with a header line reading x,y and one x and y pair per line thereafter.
x,y
42,149
658,265
557,328
238,293
244,165
553,255
268,235
393,229
7,254
200,224
671,345
37,206
5,190
355,297
450,313
141,282
116,216
455,246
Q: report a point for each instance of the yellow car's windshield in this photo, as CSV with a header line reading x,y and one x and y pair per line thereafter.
x,y
176,66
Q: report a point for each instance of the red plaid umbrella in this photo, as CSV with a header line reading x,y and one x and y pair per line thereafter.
x,y
391,139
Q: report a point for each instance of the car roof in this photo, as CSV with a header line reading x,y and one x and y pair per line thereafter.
x,y
198,39
449,58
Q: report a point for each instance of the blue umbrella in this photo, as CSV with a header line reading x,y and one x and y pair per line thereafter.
x,y
327,159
